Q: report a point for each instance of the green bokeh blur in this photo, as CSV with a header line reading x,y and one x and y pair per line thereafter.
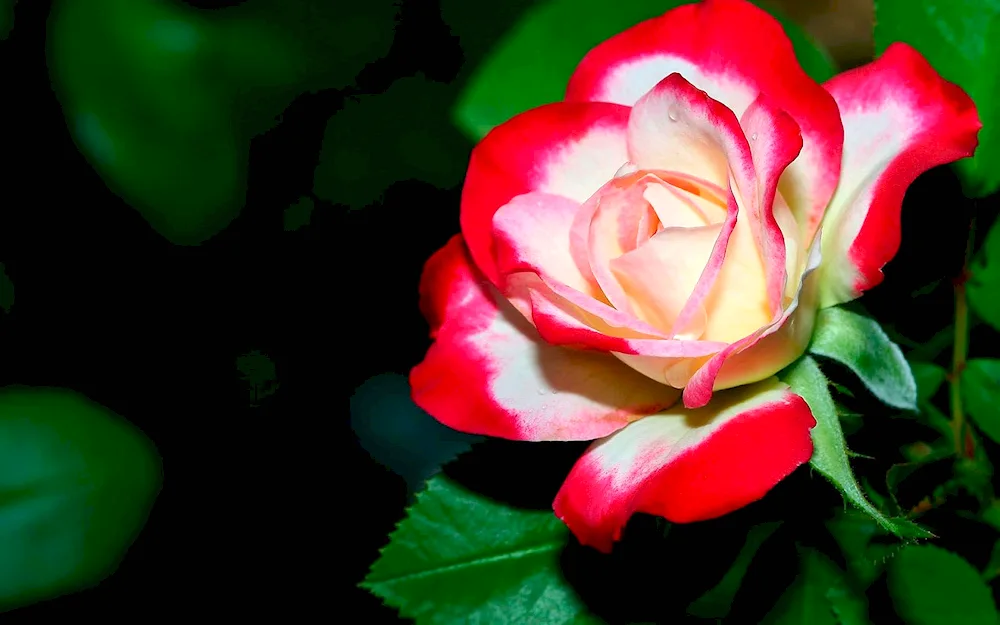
x,y
164,99
76,485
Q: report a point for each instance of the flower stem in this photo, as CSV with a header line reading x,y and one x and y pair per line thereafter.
x,y
960,347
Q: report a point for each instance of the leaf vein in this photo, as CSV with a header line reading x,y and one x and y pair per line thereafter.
x,y
478,560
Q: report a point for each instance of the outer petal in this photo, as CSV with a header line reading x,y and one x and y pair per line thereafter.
x,y
567,149
900,119
688,465
489,373
734,51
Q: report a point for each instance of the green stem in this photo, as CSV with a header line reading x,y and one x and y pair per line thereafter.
x,y
957,365
960,347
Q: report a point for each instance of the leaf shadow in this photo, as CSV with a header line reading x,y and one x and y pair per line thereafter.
x,y
521,474
658,569
649,576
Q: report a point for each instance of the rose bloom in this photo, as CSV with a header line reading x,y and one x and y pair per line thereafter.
x,y
665,233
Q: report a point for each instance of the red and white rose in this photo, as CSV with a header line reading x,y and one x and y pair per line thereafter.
x,y
666,232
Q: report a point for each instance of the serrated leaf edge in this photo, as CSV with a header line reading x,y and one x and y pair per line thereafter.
x,y
863,504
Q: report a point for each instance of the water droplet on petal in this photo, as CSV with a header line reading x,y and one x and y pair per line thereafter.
x,y
753,137
672,114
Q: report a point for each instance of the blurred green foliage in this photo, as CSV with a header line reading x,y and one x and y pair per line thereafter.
x,y
259,374
76,485
165,99
501,87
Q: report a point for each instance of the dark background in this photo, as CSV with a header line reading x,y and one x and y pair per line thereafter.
x,y
104,305
269,510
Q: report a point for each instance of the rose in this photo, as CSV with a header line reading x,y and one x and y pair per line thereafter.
x,y
669,231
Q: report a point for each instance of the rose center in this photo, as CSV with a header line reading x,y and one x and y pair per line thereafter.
x,y
650,239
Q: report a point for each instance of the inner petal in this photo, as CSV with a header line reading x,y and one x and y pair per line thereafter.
x,y
617,208
677,127
659,276
677,217
738,304
794,258
680,207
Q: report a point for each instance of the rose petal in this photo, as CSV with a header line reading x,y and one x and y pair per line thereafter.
x,y
734,51
489,373
531,232
769,349
900,119
676,127
688,465
660,276
679,207
562,317
738,303
775,141
567,149
611,207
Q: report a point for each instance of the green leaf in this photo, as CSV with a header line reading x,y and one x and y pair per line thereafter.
x,y
854,532
459,557
716,603
6,17
829,448
298,214
163,99
992,569
975,475
983,287
941,340
849,606
821,595
922,479
532,63
858,343
895,476
981,392
416,142
929,377
931,416
991,515
6,290
76,486
959,38
258,371
931,586
399,435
